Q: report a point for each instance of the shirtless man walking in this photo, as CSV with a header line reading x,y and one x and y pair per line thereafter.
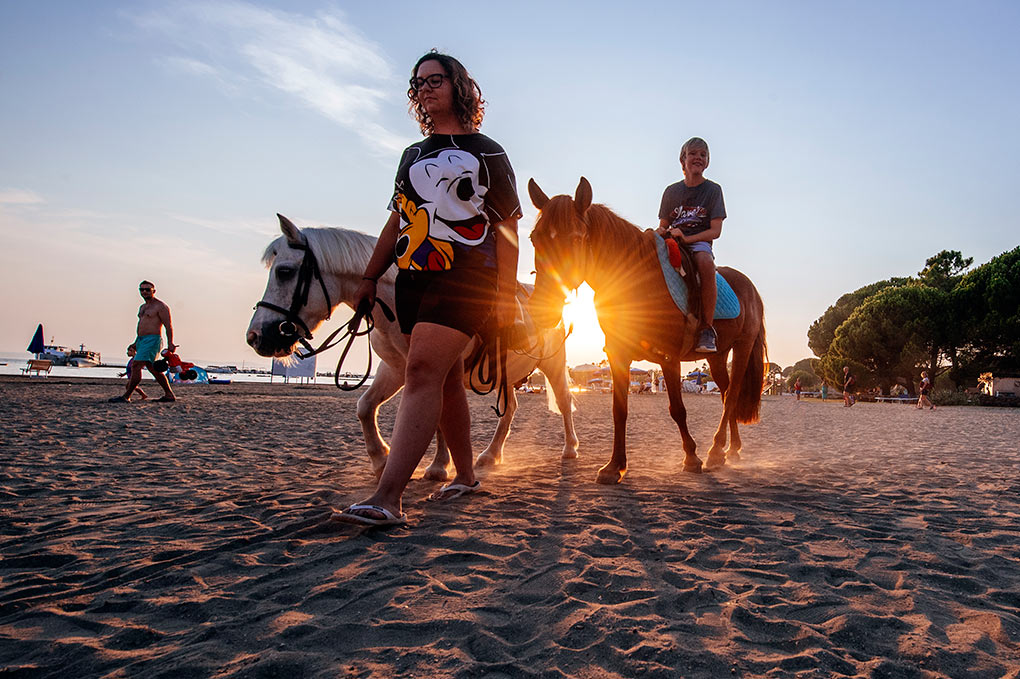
x,y
152,316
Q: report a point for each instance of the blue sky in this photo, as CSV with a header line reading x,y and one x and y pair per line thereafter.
x,y
158,140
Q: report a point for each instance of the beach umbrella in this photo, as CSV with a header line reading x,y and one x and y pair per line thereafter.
x,y
38,345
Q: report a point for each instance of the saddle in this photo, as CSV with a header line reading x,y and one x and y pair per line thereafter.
x,y
681,258
727,305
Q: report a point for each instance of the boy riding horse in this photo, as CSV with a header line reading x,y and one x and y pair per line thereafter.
x,y
692,212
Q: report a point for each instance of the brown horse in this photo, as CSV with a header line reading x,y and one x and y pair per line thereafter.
x,y
577,242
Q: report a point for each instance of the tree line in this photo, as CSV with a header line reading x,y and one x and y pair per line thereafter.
x,y
951,322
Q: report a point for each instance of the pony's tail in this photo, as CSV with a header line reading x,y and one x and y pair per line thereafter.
x,y
749,403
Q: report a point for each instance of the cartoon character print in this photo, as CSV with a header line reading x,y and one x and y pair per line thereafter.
x,y
415,249
451,210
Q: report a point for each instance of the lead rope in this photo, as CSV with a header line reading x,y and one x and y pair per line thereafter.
x,y
488,361
353,327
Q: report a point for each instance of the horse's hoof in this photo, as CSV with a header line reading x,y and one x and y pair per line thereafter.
x,y
487,460
610,477
377,469
570,453
433,473
732,456
715,461
693,467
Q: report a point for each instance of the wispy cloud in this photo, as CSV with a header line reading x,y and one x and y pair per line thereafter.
x,y
237,226
321,60
11,196
191,66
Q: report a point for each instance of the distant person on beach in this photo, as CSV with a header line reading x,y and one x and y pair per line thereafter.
x,y
127,369
825,390
796,388
453,233
848,387
153,316
922,400
692,212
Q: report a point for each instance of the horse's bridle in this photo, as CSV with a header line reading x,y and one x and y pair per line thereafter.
x,y
289,328
582,246
308,271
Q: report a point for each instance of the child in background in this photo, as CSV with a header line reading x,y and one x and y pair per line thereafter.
x,y
127,370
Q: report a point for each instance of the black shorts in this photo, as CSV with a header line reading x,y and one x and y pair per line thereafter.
x,y
461,299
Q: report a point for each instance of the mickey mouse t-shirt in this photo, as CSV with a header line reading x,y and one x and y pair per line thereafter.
x,y
449,191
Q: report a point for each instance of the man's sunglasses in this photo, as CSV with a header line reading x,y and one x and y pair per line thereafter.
x,y
434,81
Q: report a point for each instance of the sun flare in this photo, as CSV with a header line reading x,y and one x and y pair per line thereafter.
x,y
587,340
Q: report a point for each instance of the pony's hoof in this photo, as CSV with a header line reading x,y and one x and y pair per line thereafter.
x,y
609,477
715,461
434,473
693,467
377,467
487,460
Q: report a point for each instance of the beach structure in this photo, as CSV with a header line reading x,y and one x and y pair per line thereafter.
x,y
999,386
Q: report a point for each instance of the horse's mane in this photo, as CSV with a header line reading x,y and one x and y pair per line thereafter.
x,y
339,251
611,234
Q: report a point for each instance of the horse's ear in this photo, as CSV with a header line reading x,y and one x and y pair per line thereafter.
x,y
582,197
292,233
538,197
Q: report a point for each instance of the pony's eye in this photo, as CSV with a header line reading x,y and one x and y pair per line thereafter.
x,y
284,273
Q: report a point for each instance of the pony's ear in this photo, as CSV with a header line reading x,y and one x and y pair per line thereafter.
x,y
292,233
538,197
582,197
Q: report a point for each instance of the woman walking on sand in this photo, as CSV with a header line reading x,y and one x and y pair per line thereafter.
x,y
453,234
849,382
925,389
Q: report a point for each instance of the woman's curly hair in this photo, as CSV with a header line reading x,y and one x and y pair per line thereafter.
x,y
467,95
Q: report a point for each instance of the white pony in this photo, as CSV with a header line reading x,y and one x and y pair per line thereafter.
x,y
339,262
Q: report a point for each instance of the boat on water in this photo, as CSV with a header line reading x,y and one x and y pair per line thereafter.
x,y
79,358
61,355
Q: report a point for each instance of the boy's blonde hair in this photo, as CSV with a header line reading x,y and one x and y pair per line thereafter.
x,y
693,142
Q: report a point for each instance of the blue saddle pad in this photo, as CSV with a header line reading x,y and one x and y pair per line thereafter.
x,y
726,303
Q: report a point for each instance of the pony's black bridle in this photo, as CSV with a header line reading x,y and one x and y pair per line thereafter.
x,y
288,328
309,270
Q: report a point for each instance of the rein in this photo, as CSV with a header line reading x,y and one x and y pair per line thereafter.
x,y
353,326
488,361
295,328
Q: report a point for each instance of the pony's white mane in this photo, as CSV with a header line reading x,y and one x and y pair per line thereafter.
x,y
339,251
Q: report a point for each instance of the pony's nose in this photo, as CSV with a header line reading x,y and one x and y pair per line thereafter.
x,y
253,338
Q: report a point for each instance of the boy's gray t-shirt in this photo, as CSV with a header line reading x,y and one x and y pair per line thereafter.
x,y
692,209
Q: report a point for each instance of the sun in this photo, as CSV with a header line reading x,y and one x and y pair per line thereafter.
x,y
586,342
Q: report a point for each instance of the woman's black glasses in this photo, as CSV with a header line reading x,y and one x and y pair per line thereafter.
x,y
434,81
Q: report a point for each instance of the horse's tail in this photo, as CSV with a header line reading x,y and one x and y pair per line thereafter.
x,y
749,403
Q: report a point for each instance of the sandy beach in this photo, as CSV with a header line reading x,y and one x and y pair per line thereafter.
x,y
195,539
